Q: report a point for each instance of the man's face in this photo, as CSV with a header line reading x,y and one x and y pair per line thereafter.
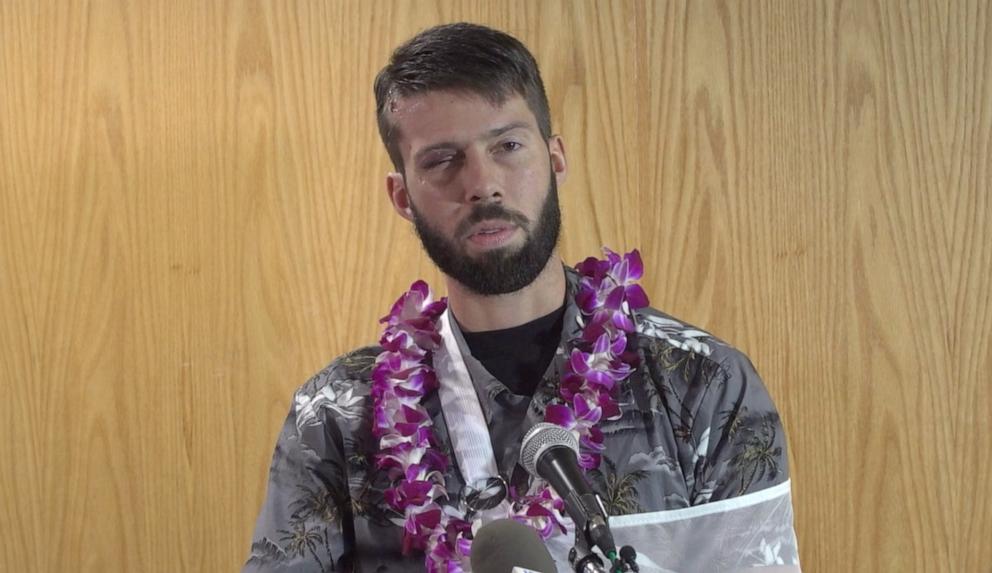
x,y
480,186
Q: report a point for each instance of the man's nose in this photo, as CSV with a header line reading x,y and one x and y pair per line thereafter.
x,y
481,180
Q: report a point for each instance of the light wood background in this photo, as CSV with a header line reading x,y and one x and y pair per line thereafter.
x,y
193,221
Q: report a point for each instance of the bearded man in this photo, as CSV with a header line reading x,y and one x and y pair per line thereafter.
x,y
393,456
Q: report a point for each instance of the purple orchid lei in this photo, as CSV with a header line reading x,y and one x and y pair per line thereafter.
x,y
408,448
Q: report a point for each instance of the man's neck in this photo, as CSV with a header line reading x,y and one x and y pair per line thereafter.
x,y
478,313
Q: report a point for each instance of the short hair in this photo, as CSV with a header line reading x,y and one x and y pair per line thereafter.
x,y
462,57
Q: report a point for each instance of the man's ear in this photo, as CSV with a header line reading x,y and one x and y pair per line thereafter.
x,y
559,166
399,196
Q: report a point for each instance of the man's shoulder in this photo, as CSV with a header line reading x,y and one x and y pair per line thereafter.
x,y
691,361
665,333
338,392
350,372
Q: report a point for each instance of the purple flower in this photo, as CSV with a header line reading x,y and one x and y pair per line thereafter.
x,y
541,511
416,313
401,343
419,527
409,493
593,440
404,378
601,368
410,420
594,268
397,422
396,459
451,547
583,420
579,418
435,460
626,274
611,283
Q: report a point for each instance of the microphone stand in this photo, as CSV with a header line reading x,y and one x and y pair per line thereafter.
x,y
582,558
591,531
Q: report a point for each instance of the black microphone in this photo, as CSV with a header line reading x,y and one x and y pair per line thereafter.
x,y
549,451
505,544
629,557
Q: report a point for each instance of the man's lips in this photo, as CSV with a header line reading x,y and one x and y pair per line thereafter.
x,y
491,233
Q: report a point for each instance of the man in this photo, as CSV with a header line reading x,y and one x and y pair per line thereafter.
x,y
393,454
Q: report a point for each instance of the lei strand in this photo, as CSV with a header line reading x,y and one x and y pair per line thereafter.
x,y
403,375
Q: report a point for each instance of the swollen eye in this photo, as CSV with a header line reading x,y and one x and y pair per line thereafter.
x,y
437,162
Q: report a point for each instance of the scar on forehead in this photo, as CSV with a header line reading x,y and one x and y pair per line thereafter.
x,y
393,102
399,104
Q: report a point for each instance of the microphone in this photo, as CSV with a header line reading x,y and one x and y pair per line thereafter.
x,y
549,451
629,558
505,546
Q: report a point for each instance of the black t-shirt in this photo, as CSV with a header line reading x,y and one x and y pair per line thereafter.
x,y
518,356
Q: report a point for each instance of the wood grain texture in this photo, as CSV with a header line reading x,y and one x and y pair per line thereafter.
x,y
192,221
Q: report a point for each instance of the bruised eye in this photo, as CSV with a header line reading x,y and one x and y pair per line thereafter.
x,y
437,161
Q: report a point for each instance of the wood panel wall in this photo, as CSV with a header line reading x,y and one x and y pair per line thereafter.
x,y
192,221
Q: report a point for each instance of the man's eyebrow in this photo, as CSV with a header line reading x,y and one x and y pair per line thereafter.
x,y
508,127
492,133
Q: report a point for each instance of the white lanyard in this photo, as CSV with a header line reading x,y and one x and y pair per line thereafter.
x,y
466,424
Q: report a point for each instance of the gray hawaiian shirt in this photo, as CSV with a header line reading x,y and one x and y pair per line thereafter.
x,y
697,427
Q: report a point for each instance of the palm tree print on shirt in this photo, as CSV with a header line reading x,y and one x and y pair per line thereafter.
x,y
759,457
619,490
321,505
302,539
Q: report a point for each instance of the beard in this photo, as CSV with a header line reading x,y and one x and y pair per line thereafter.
x,y
503,270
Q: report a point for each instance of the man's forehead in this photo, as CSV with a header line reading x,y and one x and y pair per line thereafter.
x,y
403,104
445,114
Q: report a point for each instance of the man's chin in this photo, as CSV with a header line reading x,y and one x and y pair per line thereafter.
x,y
492,254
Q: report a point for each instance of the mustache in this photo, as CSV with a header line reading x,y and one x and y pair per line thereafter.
x,y
490,212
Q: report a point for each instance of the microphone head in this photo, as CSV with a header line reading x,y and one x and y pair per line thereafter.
x,y
504,544
540,439
629,556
